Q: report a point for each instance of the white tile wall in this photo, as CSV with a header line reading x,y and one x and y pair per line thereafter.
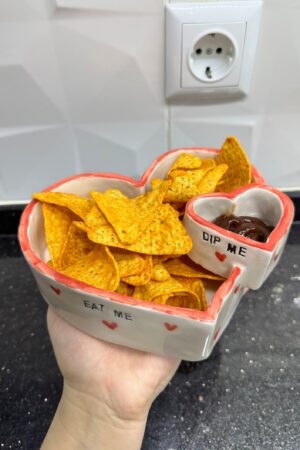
x,y
35,156
82,89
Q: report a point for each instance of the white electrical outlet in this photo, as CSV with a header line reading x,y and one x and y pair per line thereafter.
x,y
212,54
210,48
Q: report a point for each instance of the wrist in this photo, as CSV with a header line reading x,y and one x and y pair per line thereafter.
x,y
82,422
93,406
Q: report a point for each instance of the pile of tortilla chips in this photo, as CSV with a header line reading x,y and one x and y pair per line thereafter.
x,y
137,246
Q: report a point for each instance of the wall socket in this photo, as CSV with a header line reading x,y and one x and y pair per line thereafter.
x,y
210,48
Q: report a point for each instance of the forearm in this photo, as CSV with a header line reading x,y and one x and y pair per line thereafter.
x,y
74,427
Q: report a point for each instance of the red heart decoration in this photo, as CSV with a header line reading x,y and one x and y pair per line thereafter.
x,y
111,325
55,289
237,288
216,334
221,256
170,327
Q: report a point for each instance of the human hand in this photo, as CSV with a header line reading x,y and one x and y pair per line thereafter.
x,y
113,385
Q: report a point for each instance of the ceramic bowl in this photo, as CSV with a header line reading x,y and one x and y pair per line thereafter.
x,y
220,250
162,329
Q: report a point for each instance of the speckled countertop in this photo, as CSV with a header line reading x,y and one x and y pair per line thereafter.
x,y
246,396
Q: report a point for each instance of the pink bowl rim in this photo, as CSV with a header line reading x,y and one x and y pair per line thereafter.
x,y
33,260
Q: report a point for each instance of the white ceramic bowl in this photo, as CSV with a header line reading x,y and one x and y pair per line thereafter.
x,y
167,330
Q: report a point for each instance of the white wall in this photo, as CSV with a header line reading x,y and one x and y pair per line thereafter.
x,y
81,89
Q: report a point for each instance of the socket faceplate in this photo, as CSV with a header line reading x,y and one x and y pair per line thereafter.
x,y
213,55
219,58
216,71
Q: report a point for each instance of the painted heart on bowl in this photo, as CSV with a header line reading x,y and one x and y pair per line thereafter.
x,y
219,250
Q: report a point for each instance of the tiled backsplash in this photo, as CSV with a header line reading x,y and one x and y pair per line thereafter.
x,y
82,89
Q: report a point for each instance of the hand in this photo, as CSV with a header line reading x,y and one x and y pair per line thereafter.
x,y
109,383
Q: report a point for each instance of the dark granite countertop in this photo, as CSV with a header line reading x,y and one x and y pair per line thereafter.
x,y
246,396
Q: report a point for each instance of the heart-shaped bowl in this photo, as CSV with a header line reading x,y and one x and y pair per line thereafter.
x,y
220,250
162,329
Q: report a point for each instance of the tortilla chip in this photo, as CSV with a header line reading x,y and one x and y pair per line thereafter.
x,y
78,205
95,218
57,221
196,174
124,289
159,273
164,236
182,189
178,205
130,217
188,183
77,245
98,269
161,299
104,235
208,164
144,276
181,301
170,287
186,161
156,182
185,267
197,286
160,259
129,263
209,182
239,166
